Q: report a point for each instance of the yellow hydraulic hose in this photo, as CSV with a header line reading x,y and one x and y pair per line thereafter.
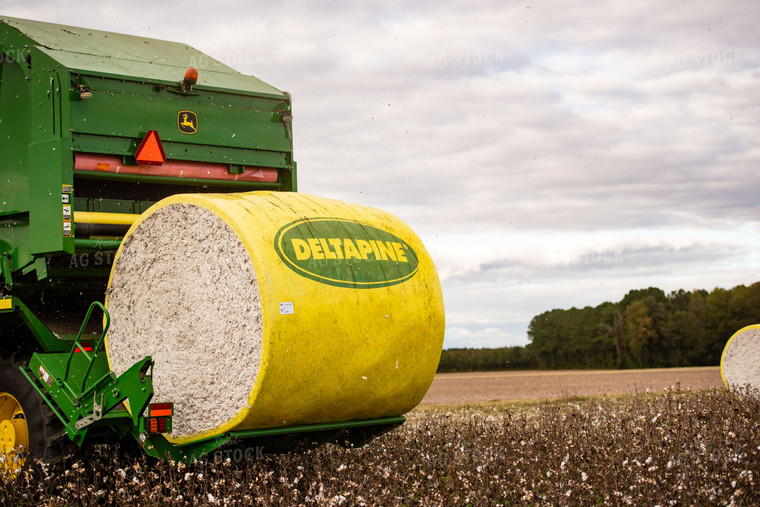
x,y
95,217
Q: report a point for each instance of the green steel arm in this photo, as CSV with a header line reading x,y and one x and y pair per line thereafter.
x,y
78,345
79,413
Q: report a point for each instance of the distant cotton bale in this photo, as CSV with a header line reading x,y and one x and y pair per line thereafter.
x,y
740,362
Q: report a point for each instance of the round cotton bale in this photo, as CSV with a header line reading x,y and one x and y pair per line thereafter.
x,y
270,309
740,362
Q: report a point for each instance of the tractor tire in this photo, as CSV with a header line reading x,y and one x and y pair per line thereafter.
x,y
28,427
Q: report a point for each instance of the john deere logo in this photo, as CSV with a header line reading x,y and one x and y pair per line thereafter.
x,y
345,253
187,122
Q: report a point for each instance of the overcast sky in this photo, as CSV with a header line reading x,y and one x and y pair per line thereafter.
x,y
548,155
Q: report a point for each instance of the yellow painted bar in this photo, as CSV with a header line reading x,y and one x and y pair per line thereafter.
x,y
351,303
96,217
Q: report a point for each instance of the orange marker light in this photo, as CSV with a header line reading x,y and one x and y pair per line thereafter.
x,y
160,409
191,77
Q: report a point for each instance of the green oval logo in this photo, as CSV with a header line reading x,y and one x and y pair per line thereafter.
x,y
345,253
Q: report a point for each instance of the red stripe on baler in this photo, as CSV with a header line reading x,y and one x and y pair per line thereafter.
x,y
172,168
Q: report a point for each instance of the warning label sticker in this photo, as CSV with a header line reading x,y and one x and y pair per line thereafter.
x,y
45,376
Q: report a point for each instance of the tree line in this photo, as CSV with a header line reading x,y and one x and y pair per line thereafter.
x,y
645,329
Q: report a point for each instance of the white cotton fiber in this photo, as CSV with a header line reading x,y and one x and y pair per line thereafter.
x,y
741,362
184,291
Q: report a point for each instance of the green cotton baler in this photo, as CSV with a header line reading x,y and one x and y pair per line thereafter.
x,y
95,128
84,116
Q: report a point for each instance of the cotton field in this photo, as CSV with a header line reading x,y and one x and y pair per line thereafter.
x,y
673,447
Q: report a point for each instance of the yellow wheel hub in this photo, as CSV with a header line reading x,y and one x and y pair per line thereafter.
x,y
14,434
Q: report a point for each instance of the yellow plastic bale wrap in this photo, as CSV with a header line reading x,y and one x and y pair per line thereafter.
x,y
339,313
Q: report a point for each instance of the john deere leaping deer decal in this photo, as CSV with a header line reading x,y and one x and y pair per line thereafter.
x,y
187,122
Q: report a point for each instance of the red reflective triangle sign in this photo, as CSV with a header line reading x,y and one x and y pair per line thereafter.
x,y
150,151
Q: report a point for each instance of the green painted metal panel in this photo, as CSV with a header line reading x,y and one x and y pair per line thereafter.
x,y
50,168
111,54
125,147
14,172
111,205
49,159
14,128
217,123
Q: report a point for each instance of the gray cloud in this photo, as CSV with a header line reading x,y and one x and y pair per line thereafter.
x,y
628,259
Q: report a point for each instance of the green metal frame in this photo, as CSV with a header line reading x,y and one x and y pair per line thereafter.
x,y
276,439
81,389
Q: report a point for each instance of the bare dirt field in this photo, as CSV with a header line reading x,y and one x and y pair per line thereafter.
x,y
479,387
